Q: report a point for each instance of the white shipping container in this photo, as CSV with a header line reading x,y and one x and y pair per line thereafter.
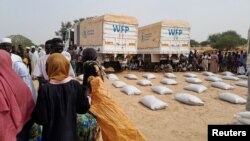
x,y
110,34
166,37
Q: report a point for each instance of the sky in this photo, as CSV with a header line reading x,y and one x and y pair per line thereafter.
x,y
39,19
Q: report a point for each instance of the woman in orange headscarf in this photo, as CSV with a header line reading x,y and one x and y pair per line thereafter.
x,y
59,101
16,102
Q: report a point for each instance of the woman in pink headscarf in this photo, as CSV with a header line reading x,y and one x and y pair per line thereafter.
x,y
16,103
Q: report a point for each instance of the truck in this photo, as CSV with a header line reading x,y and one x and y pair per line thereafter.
x,y
161,40
113,36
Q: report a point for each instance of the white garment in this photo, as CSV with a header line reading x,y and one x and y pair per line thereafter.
x,y
67,55
16,58
34,60
41,53
20,68
40,69
241,70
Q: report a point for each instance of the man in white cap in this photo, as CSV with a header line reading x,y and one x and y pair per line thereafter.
x,y
18,65
34,57
21,70
26,58
41,52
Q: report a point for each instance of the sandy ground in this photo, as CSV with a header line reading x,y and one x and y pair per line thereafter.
x,y
178,122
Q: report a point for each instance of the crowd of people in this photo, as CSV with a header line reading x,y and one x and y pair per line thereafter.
x,y
213,61
64,107
61,109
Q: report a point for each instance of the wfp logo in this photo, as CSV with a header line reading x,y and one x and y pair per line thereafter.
x,y
120,28
175,31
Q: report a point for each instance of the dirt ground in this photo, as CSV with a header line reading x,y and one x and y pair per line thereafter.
x,y
178,122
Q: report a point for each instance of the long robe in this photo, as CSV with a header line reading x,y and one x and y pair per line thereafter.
x,y
56,109
214,64
115,124
16,103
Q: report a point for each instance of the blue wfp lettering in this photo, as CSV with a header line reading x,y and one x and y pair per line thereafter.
x,y
119,28
174,31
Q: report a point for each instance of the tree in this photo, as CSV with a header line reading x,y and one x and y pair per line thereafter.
x,y
226,40
63,30
21,40
76,21
204,43
194,43
81,19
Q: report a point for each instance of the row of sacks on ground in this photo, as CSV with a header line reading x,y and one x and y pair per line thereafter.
x,y
191,78
211,76
226,75
154,103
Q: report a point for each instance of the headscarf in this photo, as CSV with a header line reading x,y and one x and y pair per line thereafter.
x,y
92,68
16,102
57,67
89,54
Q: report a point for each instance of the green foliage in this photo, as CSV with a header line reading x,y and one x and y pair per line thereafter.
x,y
62,31
226,40
76,21
194,43
21,40
204,43
81,19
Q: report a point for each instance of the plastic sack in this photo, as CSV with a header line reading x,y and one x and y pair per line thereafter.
x,y
170,75
188,99
233,98
242,84
119,84
242,76
227,73
149,76
196,88
112,77
131,76
222,85
190,75
168,81
243,118
213,79
131,90
193,80
208,73
152,102
245,114
161,90
144,82
229,77
243,121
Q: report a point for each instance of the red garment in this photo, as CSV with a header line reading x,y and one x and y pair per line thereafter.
x,y
16,103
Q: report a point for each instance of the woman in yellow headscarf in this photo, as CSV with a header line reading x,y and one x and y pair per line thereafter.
x,y
59,101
